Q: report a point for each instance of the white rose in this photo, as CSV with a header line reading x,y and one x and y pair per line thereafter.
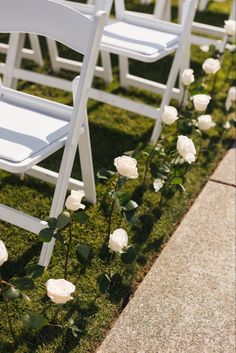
x,y
3,253
205,122
187,77
59,290
211,66
201,102
73,201
204,48
231,97
126,166
118,240
186,149
230,27
226,125
230,47
170,115
158,184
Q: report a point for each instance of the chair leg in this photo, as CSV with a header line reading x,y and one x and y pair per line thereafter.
x,y
13,59
59,198
106,64
53,54
167,96
124,71
35,45
86,163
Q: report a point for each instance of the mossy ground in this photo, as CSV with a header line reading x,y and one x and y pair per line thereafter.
x,y
113,131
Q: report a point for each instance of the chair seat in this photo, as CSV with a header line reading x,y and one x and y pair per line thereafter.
x,y
142,41
25,132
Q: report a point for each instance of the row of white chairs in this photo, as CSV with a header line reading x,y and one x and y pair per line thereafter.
x,y
33,128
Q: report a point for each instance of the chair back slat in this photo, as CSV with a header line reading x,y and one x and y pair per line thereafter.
x,y
47,18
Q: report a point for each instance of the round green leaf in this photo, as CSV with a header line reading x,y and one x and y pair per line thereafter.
x,y
24,283
103,282
129,256
35,271
83,252
105,174
45,235
52,223
63,220
81,217
34,321
12,293
176,181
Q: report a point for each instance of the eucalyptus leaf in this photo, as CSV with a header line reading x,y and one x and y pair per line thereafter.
x,y
46,234
176,181
105,174
129,256
81,217
131,217
52,223
12,293
63,220
35,271
103,282
59,236
33,320
130,205
24,283
82,253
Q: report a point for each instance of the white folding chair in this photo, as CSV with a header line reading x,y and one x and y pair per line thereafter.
x,y
202,34
133,36
10,71
104,70
33,128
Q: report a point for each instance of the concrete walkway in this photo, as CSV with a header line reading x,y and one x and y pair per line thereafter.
x,y
186,303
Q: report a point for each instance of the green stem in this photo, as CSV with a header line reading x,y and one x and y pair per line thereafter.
x,y
182,100
148,162
68,247
112,209
7,311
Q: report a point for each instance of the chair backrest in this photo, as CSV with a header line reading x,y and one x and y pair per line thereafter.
x,y
48,18
189,8
79,32
91,7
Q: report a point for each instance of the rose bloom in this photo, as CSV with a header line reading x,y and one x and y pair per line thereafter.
x,y
204,48
59,290
201,101
187,77
118,240
158,184
230,27
211,66
186,149
73,201
170,115
126,166
205,122
231,97
226,125
3,253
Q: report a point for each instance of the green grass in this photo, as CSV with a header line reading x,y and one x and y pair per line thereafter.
x,y
113,131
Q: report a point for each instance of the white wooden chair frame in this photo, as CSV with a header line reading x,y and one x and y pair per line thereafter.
x,y
104,71
168,91
28,17
200,31
34,53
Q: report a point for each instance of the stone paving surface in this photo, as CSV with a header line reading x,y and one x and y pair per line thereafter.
x,y
186,303
226,171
